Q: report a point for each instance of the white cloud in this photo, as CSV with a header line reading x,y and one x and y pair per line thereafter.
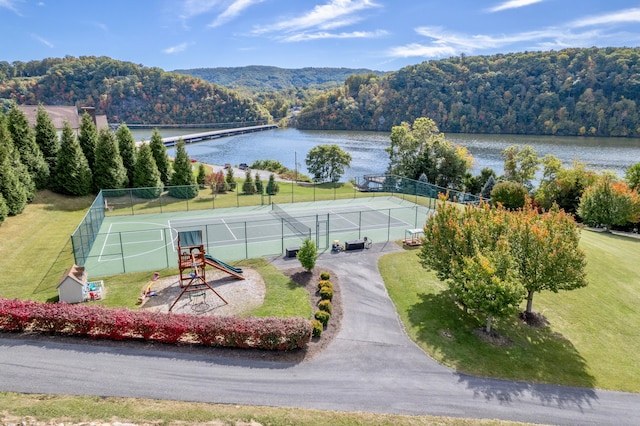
x,y
176,49
327,35
43,41
619,17
233,10
334,14
513,4
448,43
11,5
191,8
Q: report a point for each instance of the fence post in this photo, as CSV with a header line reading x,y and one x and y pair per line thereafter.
x,y
246,242
389,226
124,267
131,201
166,246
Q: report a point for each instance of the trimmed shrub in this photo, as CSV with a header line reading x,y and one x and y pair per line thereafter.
x,y
326,293
323,317
325,283
317,328
325,305
324,275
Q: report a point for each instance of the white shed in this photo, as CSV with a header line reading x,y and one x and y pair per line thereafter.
x,y
73,285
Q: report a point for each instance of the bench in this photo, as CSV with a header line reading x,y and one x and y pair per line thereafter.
x,y
291,252
354,245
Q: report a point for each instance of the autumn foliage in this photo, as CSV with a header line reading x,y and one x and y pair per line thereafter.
x,y
97,322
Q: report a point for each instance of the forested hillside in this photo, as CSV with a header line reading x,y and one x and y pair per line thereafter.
x,y
125,92
591,92
257,78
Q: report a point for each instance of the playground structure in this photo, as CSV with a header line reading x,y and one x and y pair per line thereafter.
x,y
74,286
192,263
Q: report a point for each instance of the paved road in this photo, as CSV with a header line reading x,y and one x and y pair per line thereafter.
x,y
371,366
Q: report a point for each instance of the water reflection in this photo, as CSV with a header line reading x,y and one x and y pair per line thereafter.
x,y
369,156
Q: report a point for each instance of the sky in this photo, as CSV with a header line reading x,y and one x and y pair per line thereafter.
x,y
383,35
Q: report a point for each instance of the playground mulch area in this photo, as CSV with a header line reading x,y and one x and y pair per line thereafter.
x,y
241,295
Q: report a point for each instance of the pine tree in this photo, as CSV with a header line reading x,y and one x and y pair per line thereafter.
x,y
259,184
4,210
248,187
160,156
146,174
72,175
183,183
12,189
25,142
231,182
202,175
47,137
127,147
88,138
487,188
108,170
308,254
272,186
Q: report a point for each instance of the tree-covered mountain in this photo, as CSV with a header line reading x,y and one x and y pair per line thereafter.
x,y
125,92
591,92
257,78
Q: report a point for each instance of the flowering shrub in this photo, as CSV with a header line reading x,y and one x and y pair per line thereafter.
x,y
280,334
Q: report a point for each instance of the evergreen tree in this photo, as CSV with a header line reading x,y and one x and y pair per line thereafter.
x,y
308,254
108,170
88,139
12,189
4,210
127,147
202,175
272,186
47,137
487,188
259,184
160,156
25,142
183,183
146,174
72,174
248,187
230,180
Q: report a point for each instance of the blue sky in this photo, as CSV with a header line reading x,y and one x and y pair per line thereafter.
x,y
376,34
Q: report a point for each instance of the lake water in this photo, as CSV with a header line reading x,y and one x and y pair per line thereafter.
x,y
368,153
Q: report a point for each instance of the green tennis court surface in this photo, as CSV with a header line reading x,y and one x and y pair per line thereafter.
x,y
148,242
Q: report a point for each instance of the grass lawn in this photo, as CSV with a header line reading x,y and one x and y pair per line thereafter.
x,y
592,335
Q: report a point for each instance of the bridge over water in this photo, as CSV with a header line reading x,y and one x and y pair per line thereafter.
x,y
214,134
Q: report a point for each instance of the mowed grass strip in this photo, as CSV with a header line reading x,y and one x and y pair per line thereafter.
x,y
591,340
61,409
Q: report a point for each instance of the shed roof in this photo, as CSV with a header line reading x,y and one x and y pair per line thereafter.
x,y
58,114
75,273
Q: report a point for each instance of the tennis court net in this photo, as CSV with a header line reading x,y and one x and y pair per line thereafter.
x,y
292,223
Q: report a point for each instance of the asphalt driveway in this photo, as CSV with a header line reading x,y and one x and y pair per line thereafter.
x,y
371,366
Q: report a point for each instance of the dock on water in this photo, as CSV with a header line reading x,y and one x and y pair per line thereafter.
x,y
214,134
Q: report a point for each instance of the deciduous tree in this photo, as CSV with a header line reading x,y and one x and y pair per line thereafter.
x,y
608,203
520,164
512,195
327,162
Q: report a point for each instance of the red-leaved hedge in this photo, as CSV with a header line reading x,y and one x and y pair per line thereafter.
x,y
97,322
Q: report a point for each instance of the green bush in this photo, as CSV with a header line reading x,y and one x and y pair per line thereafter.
x,y
317,328
323,317
325,283
325,305
326,293
324,275
308,254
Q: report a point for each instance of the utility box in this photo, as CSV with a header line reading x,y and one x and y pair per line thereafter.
x,y
354,245
291,252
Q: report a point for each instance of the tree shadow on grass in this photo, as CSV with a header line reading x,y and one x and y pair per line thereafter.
x,y
537,357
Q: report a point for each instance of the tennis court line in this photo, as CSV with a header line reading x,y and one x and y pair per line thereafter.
x,y
229,229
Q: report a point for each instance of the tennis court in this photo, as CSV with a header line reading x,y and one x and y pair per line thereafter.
x,y
148,242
